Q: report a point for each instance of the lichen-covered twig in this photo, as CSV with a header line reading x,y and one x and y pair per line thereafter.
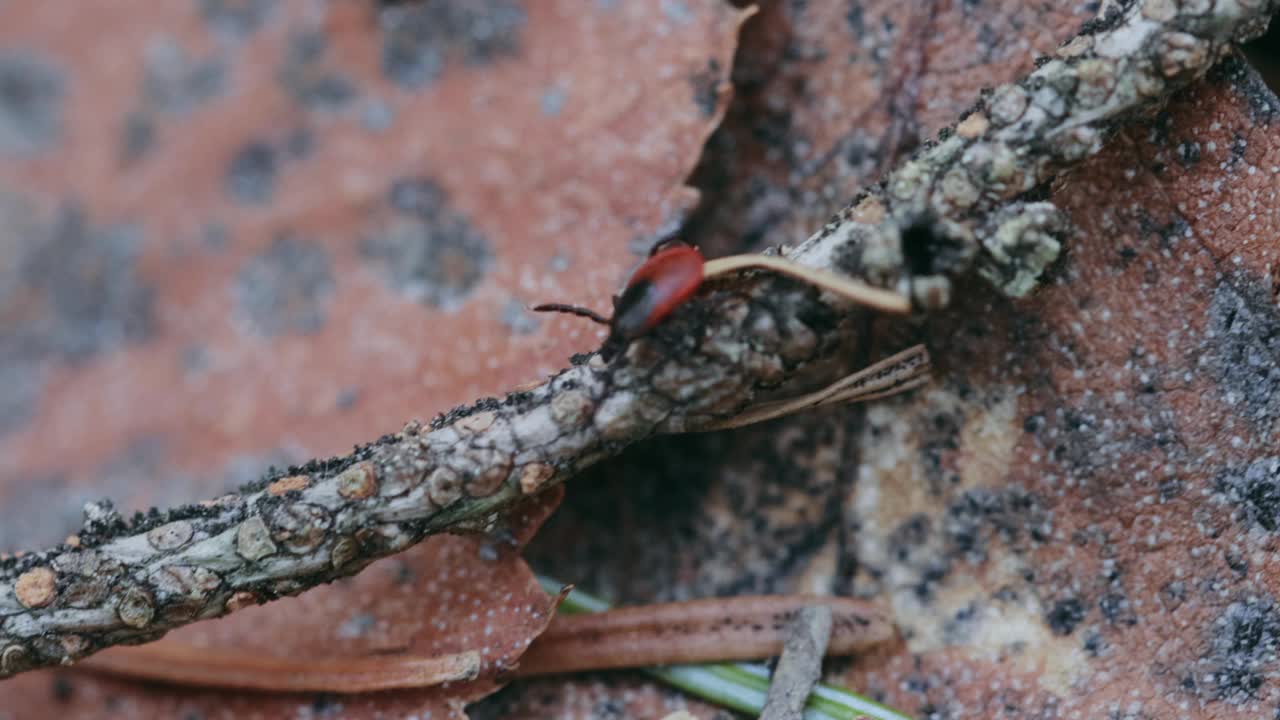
x,y
963,200
958,205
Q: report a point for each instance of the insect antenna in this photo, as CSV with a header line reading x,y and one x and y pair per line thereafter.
x,y
572,310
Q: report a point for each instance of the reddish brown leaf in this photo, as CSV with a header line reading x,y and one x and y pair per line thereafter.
x,y
244,233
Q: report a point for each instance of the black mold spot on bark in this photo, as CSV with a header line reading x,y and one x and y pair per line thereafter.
x,y
1115,13
940,437
1255,490
215,236
347,398
1245,81
1188,153
61,688
377,116
1087,441
251,177
195,359
855,20
136,137
1117,610
176,84
427,250
1244,356
236,19
1244,641
305,77
1094,644
20,386
284,289
1159,128
87,295
299,143
418,38
31,103
959,628
972,519
706,85
326,705
930,250
1239,146
1065,615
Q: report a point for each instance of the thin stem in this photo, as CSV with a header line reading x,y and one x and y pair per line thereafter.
x,y
738,686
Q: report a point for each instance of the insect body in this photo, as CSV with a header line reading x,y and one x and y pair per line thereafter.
x,y
674,273
671,275
668,278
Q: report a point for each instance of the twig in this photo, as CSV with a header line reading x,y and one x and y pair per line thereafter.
x,y
954,207
738,686
696,631
800,666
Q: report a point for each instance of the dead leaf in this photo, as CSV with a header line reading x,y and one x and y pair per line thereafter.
x,y
239,234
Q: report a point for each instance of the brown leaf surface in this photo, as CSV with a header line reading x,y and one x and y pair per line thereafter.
x,y
448,595
243,233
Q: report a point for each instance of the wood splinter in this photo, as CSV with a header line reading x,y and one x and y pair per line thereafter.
x,y
800,666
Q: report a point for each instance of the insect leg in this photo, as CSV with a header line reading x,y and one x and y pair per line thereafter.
x,y
572,310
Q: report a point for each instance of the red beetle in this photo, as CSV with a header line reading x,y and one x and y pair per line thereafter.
x,y
675,271
671,275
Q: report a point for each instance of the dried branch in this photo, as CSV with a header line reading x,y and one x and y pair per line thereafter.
x,y
697,631
960,204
